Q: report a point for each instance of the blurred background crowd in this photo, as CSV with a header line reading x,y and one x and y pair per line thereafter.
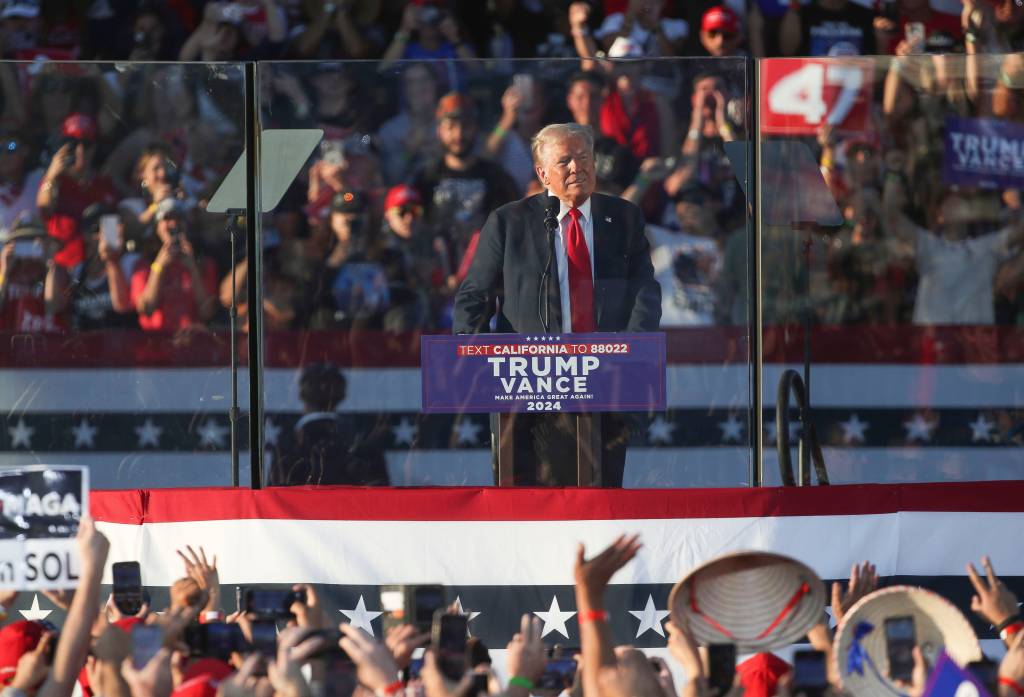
x,y
106,168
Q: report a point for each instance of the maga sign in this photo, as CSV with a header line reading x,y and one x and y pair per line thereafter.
x,y
511,372
798,95
40,506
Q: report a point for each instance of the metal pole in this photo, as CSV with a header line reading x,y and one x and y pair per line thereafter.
x,y
254,266
232,228
754,310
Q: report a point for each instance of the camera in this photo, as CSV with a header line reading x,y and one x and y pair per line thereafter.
x,y
899,646
414,605
448,640
127,586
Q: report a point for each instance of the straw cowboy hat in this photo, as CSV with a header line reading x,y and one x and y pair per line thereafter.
x,y
859,646
758,601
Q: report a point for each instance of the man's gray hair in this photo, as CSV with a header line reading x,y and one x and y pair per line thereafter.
x,y
560,131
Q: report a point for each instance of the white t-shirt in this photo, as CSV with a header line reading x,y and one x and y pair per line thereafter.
x,y
674,29
687,267
955,284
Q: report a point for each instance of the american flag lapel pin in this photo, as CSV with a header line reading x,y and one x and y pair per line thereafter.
x,y
607,219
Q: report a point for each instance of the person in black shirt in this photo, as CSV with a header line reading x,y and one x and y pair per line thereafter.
x,y
325,447
460,189
615,164
828,28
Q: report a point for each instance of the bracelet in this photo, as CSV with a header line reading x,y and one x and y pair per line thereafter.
x,y
1010,682
156,267
520,681
1010,630
582,31
212,616
693,134
401,36
1,283
593,616
499,131
391,689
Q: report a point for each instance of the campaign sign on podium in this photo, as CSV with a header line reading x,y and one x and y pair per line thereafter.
x,y
502,373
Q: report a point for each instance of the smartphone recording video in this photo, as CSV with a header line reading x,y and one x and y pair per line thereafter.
x,y
215,640
272,604
414,605
449,641
810,677
721,666
127,587
900,639
146,641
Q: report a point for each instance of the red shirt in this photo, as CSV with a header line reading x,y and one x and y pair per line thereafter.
x,y
177,308
73,197
637,131
23,308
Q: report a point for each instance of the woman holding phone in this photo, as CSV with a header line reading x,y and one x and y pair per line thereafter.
x,y
94,294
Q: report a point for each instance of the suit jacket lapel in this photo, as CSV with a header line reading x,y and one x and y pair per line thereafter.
x,y
602,245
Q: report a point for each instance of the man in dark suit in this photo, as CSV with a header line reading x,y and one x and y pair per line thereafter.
x,y
601,279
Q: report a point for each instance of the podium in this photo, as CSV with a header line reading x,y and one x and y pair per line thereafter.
x,y
560,406
585,459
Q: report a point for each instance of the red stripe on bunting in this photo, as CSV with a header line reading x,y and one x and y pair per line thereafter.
x,y
494,504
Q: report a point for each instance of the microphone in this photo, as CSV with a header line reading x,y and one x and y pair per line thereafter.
x,y
551,225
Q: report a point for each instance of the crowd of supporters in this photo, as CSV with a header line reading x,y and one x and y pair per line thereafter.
x,y
128,648
106,168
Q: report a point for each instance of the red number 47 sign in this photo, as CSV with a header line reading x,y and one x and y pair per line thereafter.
x,y
800,94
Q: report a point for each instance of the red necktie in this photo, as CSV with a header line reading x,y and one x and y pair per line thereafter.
x,y
581,280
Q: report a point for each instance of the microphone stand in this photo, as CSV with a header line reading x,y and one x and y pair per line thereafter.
x,y
551,224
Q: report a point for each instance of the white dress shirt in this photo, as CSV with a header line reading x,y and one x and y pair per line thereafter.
x,y
562,255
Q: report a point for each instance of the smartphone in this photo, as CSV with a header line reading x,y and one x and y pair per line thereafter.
x,y
900,639
449,634
272,604
809,673
559,674
986,671
479,684
721,666
913,32
523,82
146,641
412,672
108,229
28,249
264,637
127,577
215,639
414,605
331,648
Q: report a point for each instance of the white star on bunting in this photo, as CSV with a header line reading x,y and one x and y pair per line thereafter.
x,y
650,618
361,617
853,429
981,429
149,434
472,614
85,434
919,428
404,432
554,619
21,434
35,612
212,433
660,431
732,429
467,431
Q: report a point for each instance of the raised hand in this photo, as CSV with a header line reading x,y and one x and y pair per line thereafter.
x,y
154,679
34,665
375,666
592,575
525,656
992,600
200,570
863,580
403,640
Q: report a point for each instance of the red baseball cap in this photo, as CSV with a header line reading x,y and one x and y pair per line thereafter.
x,y
80,126
456,106
402,195
760,674
720,18
17,639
